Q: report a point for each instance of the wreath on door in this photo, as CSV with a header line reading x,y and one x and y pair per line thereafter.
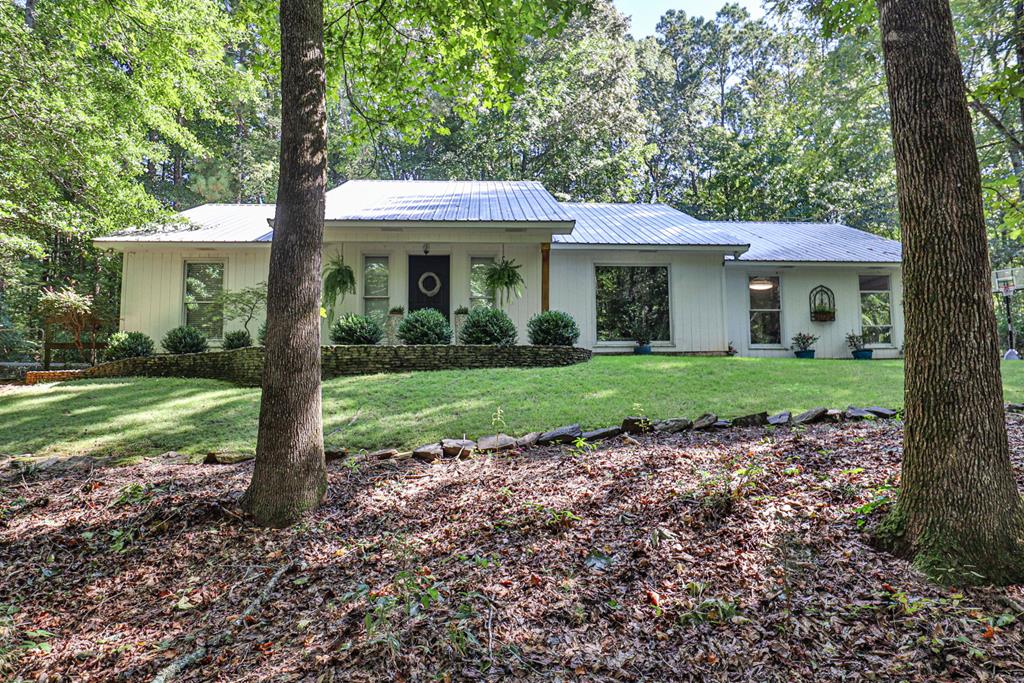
x,y
432,290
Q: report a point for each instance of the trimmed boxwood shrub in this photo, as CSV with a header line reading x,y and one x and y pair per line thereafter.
x,y
425,326
488,325
238,339
261,334
552,328
356,329
121,345
185,339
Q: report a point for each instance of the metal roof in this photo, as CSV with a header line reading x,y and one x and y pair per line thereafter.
x,y
641,225
210,223
445,201
812,242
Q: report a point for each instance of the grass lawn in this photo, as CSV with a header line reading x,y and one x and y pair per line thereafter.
x,y
142,416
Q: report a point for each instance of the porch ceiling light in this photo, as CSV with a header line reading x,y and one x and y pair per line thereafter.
x,y
760,284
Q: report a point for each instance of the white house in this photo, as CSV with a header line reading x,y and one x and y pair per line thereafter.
x,y
705,285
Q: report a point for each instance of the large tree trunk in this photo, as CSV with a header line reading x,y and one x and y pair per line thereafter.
x,y
959,513
290,475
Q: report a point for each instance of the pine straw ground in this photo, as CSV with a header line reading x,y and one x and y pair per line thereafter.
x,y
738,555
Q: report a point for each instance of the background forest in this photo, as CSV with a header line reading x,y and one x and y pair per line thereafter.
x,y
116,116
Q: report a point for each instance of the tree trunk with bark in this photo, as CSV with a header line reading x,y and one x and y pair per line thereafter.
x,y
959,514
290,476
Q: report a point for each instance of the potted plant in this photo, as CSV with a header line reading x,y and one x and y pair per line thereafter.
x,y
641,332
395,315
802,343
339,280
504,279
461,313
856,343
822,313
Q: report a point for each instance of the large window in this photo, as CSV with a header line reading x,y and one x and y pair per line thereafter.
x,y
204,283
375,287
765,310
875,309
479,294
632,302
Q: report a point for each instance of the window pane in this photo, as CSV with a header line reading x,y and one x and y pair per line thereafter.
x,y
874,309
479,294
874,283
877,335
629,297
761,299
376,276
377,309
765,327
204,283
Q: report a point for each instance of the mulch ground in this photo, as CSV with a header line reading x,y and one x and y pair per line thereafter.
x,y
738,555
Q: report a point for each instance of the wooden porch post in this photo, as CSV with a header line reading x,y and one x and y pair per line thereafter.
x,y
545,276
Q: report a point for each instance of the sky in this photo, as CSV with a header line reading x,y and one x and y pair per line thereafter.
x,y
646,13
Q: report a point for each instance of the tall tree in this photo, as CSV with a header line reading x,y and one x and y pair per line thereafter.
x,y
290,476
959,513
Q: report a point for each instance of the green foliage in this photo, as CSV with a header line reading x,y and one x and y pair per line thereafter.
x,y
425,326
854,341
553,328
339,280
462,310
244,304
487,325
122,345
802,341
261,335
504,279
236,339
356,329
185,339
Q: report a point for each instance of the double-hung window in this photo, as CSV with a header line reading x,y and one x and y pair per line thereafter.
x,y
765,310
632,303
479,293
875,309
204,308
375,287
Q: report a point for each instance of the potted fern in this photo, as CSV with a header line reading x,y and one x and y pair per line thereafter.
x,y
802,343
395,315
339,280
504,279
461,313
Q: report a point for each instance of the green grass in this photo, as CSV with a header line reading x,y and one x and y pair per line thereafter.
x,y
137,416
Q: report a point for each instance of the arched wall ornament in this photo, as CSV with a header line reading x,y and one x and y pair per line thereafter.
x,y
823,304
421,283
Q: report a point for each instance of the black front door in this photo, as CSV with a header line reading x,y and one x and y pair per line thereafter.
x,y
429,283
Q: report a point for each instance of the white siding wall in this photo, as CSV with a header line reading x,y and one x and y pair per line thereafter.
x,y
796,283
696,284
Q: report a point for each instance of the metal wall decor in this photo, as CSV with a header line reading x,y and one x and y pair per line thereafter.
x,y
823,304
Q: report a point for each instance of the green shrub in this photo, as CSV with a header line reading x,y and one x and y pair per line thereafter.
x,y
356,329
185,339
488,325
237,339
261,335
425,326
553,328
122,345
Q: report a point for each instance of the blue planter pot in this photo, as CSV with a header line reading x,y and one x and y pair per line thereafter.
x,y
809,353
642,349
863,354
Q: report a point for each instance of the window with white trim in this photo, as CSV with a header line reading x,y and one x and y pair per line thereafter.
x,y
875,309
765,310
204,309
479,293
632,302
375,287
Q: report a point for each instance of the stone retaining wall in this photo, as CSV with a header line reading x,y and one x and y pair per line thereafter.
x,y
245,366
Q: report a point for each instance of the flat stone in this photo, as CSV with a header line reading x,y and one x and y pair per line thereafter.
x,y
458,448
853,413
496,442
383,454
428,452
602,434
566,434
672,425
527,440
810,416
332,454
752,420
722,424
1015,407
834,415
227,458
705,421
881,412
780,419
636,425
